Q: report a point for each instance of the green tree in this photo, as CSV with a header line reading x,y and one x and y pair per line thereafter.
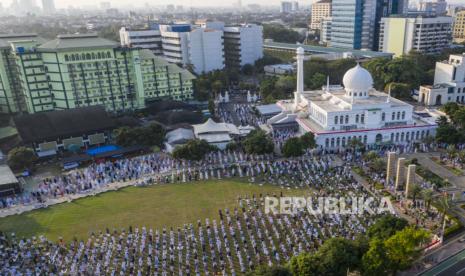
x,y
386,226
281,34
339,255
286,84
317,81
394,254
399,90
415,190
293,147
404,247
305,264
427,195
371,155
123,136
194,149
21,158
308,140
258,142
270,271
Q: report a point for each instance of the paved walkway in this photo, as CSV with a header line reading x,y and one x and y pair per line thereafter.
x,y
425,160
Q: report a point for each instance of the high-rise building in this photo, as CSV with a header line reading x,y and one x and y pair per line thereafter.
x,y
449,83
320,10
426,34
325,33
201,48
459,27
48,6
356,23
286,7
434,7
142,38
243,44
86,70
353,24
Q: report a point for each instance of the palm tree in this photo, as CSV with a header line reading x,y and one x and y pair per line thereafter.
x,y
415,190
444,205
451,151
442,120
427,196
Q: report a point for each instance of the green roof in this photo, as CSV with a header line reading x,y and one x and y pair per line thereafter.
x,y
7,39
325,50
76,42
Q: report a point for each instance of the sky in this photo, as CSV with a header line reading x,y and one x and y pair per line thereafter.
x,y
187,3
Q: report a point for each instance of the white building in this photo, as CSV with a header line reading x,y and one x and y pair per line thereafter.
x,y
438,7
449,83
325,33
286,7
243,44
320,10
201,48
144,38
216,134
426,34
336,115
48,6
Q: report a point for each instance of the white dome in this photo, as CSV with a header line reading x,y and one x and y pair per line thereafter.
x,y
357,79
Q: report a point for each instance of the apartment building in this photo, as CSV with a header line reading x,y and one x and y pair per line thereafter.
x,y
142,38
243,44
426,34
319,11
201,48
85,70
449,83
459,27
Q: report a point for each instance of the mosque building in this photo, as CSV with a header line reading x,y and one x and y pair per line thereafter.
x,y
336,114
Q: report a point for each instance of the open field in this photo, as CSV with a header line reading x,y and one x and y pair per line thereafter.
x,y
153,206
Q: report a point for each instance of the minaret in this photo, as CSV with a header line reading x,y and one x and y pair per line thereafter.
x,y
327,84
300,77
389,94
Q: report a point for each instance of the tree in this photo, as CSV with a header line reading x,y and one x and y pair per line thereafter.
x,y
280,34
396,253
194,149
305,264
386,226
258,142
270,271
415,190
285,84
377,164
293,147
371,156
21,158
338,255
399,90
317,81
154,134
217,86
404,247
123,136
248,69
427,196
450,108
447,133
308,140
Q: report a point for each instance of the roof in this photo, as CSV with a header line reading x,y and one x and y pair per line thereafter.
x,y
215,138
6,39
46,126
7,176
269,109
179,135
211,127
77,41
325,50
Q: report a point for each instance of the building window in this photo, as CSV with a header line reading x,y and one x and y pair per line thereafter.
x,y
357,118
383,116
362,118
347,119
403,115
393,116
341,119
398,115
66,58
397,137
335,120
327,142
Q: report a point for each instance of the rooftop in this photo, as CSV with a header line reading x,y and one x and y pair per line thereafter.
x,y
46,126
325,50
77,41
6,39
7,176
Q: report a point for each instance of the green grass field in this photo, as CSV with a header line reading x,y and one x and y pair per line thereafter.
x,y
153,206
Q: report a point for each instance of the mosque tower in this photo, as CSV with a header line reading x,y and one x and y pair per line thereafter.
x,y
300,77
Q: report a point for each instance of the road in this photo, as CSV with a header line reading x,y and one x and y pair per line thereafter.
x,y
455,265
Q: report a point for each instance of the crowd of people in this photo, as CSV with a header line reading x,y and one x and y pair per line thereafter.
x,y
237,241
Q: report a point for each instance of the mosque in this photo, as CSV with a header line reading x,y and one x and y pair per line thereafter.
x,y
336,114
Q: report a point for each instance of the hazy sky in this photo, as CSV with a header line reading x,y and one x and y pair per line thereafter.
x,y
138,3
116,3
